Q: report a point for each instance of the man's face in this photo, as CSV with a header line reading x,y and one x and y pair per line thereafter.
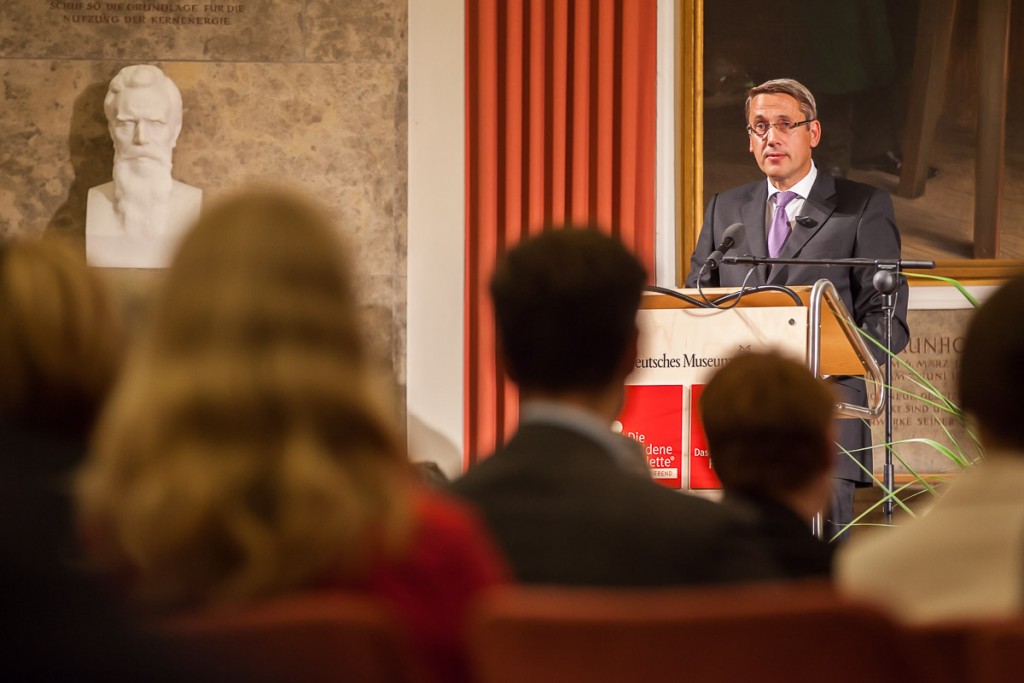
x,y
784,157
142,127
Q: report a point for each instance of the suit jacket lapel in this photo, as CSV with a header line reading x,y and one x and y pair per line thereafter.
x,y
756,237
817,208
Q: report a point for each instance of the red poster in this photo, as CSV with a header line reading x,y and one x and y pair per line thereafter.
x,y
653,415
701,474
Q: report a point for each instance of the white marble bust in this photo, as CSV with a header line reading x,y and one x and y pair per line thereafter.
x,y
137,220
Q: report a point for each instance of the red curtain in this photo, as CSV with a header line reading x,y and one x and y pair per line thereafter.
x,y
560,112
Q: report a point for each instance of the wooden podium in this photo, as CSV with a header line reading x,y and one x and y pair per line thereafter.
x,y
681,346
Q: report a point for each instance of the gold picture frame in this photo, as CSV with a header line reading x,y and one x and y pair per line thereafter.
x,y
690,150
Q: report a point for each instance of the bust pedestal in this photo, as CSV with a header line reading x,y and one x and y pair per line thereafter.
x,y
109,245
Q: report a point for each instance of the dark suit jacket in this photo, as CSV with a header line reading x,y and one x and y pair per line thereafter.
x,y
787,536
59,622
843,219
566,513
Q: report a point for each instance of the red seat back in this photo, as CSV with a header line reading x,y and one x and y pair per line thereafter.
x,y
766,633
310,638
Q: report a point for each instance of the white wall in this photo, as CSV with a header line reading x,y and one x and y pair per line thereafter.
x,y
665,189
437,217
436,231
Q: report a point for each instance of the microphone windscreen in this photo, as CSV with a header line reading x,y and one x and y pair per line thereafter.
x,y
734,232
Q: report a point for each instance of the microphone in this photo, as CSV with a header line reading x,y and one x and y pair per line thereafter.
x,y
917,265
806,221
731,235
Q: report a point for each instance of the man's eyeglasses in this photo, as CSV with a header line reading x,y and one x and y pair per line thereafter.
x,y
761,128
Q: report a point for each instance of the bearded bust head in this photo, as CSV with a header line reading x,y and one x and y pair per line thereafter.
x,y
143,107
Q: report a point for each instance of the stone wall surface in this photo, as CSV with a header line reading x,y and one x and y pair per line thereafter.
x,y
311,93
934,355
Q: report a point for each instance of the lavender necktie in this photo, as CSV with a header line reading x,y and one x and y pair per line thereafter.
x,y
779,230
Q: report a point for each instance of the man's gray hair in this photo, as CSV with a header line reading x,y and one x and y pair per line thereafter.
x,y
784,86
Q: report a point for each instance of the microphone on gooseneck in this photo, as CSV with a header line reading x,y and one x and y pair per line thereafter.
x,y
731,235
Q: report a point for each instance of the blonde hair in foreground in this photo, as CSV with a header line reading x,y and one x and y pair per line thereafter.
x,y
245,452
60,338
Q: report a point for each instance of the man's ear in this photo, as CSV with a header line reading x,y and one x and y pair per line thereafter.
x,y
815,130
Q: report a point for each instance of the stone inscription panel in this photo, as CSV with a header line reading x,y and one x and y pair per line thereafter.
x,y
139,31
937,338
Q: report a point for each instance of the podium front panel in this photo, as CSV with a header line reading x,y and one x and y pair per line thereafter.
x,y
680,348
686,345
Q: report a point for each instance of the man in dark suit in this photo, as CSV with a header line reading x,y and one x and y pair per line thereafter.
x,y
769,428
801,212
564,497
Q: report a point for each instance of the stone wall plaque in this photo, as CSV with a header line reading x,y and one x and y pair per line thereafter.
x,y
936,341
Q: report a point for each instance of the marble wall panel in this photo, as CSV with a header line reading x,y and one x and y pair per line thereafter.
x,y
326,128
145,30
342,31
381,299
400,286
307,93
402,186
52,132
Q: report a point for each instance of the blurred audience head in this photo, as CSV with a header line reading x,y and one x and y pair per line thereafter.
x,y
60,338
565,303
991,372
247,448
769,427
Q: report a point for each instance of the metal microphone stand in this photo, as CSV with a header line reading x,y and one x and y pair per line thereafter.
x,y
887,282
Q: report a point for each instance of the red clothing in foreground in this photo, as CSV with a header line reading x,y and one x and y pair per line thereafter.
x,y
450,561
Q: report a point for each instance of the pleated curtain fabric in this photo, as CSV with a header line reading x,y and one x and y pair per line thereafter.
x,y
561,117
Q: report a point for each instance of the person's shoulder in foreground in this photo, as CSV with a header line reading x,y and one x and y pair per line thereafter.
x,y
798,553
961,559
958,560
768,422
565,511
564,497
449,561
